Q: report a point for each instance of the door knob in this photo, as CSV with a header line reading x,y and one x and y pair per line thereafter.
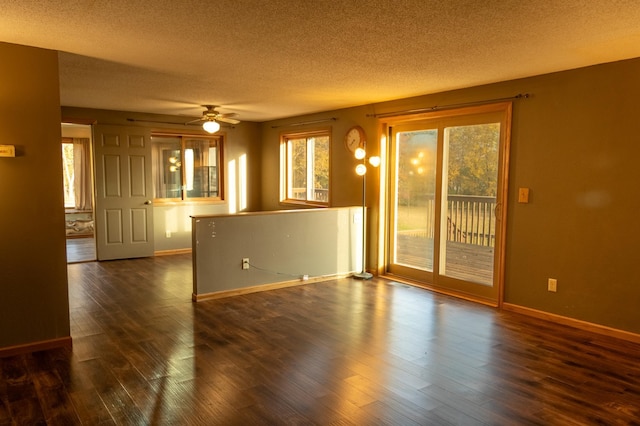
x,y
148,202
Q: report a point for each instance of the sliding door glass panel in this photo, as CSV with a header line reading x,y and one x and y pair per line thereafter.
x,y
469,186
414,193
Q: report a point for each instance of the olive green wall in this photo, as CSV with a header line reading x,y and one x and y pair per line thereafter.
x,y
34,303
575,143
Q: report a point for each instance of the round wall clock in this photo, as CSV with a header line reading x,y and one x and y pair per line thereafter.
x,y
354,138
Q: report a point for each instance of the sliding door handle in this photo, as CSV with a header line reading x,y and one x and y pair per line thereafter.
x,y
498,211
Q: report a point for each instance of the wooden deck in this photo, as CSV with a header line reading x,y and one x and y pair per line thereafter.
x,y
467,262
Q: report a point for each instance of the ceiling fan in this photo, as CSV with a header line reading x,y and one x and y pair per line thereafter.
x,y
211,117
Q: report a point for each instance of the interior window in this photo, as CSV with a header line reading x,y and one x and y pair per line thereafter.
x,y
187,167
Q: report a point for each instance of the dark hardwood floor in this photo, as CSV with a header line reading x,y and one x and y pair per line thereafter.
x,y
81,250
343,352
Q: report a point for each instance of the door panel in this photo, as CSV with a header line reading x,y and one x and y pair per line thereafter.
x,y
113,226
124,213
138,168
111,176
139,225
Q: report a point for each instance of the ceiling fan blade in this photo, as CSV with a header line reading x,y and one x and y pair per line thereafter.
x,y
195,120
228,120
135,120
209,114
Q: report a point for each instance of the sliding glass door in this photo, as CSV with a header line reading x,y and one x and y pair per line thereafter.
x,y
447,182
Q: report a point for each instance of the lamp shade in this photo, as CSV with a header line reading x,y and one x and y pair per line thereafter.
x,y
361,169
360,153
211,126
374,161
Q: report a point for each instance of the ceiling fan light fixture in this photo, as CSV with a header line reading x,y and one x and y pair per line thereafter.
x,y
211,126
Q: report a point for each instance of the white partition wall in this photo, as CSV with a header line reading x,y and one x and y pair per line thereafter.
x,y
283,247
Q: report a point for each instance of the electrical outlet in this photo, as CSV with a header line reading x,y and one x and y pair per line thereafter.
x,y
245,263
552,285
305,277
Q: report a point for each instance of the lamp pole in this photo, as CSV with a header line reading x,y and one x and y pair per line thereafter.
x,y
364,275
361,170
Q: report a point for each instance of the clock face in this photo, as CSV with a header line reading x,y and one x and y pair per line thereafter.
x,y
354,138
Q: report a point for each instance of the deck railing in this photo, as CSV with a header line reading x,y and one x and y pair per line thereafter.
x,y
318,194
470,220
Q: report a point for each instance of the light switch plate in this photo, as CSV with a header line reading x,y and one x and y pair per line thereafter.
x,y
523,195
7,151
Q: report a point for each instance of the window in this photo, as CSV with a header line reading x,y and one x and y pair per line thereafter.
x,y
187,168
305,169
68,175
77,175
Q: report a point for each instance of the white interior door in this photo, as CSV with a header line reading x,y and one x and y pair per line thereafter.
x,y
124,192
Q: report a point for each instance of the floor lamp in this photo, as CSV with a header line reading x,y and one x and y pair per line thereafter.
x,y
361,170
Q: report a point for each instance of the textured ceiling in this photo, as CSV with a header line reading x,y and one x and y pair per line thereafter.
x,y
280,58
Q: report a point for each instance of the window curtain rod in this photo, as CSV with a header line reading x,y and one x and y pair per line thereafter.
x,y
302,123
450,106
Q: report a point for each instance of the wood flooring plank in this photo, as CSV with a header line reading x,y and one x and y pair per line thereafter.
x,y
27,411
350,412
90,408
388,415
5,414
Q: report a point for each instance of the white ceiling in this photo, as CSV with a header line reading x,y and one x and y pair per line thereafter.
x,y
279,58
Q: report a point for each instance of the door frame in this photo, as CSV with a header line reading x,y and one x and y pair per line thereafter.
x,y
88,124
385,125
